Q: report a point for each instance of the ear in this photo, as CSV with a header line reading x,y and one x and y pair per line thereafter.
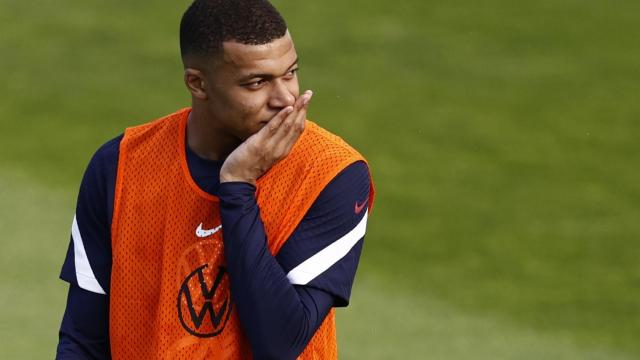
x,y
195,81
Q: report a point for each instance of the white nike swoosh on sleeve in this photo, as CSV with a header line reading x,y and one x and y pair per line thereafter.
x,y
321,261
84,274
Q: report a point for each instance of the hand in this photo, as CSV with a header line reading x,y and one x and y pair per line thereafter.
x,y
265,148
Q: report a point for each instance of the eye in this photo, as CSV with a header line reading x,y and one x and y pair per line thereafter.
x,y
291,73
255,84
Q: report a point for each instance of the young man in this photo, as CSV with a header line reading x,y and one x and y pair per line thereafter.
x,y
226,230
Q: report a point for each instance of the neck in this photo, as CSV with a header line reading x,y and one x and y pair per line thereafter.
x,y
206,138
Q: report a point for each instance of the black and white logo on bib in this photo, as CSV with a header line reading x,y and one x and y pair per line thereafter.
x,y
204,302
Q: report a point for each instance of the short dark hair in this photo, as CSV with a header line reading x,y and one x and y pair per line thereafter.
x,y
208,23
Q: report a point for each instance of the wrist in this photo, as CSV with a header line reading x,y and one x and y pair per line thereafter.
x,y
236,194
226,177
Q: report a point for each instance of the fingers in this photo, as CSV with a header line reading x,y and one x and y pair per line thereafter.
x,y
293,126
301,115
303,100
289,115
292,121
274,124
300,106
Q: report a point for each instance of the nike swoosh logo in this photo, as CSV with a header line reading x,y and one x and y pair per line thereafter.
x,y
200,232
359,208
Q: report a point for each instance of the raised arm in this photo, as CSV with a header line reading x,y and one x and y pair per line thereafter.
x,y
280,310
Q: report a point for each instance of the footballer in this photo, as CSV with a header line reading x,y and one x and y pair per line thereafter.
x,y
229,229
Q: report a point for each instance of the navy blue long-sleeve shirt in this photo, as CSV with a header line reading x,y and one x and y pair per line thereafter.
x,y
279,310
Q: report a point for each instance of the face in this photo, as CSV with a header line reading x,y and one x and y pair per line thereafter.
x,y
250,84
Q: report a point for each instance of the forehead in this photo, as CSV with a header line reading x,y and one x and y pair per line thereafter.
x,y
275,56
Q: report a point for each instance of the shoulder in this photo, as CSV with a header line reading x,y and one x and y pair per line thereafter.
x,y
103,164
98,183
108,152
350,179
95,198
352,182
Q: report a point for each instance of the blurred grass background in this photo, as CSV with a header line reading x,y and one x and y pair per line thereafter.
x,y
503,137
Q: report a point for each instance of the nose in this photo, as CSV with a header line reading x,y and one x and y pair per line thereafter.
x,y
282,95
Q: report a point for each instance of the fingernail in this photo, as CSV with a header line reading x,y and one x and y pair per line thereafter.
x,y
307,97
288,109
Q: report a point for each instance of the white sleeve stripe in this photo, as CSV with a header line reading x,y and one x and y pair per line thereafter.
x,y
320,262
84,274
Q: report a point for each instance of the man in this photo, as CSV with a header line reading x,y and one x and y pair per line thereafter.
x,y
227,230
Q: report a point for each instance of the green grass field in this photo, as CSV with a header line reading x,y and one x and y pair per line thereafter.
x,y
503,137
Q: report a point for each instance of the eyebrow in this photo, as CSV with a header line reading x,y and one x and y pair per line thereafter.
x,y
265,75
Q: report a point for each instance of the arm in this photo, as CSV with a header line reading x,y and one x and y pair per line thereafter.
x,y
280,318
84,331
251,265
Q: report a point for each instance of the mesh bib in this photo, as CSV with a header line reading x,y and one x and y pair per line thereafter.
x,y
170,295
